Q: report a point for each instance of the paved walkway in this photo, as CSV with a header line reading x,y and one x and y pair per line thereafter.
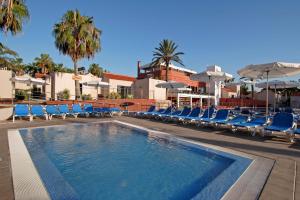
x,y
283,182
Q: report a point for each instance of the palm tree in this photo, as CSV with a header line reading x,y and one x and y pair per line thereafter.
x,y
96,70
45,63
77,37
165,53
12,15
6,56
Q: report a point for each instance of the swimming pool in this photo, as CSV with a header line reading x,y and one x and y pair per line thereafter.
x,y
116,161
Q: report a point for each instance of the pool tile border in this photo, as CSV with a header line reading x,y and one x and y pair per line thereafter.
x,y
26,180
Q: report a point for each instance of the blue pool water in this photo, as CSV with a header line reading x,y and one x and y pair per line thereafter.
x,y
114,161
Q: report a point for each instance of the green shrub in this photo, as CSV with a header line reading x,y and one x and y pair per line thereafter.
x,y
63,95
21,95
114,95
86,97
129,96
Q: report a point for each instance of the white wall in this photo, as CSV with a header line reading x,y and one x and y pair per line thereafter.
x,y
63,81
5,83
146,89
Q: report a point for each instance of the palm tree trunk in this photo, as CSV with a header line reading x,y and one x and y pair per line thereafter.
x,y
77,86
167,79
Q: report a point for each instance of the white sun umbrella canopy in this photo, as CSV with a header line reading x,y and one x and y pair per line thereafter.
x,y
171,85
208,76
277,84
269,70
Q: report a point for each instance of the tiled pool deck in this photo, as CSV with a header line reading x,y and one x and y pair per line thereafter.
x,y
283,183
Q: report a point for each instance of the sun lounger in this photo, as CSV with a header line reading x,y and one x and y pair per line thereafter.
x,y
38,111
21,110
166,117
52,110
192,116
208,113
88,109
252,125
149,111
236,120
294,133
221,116
185,112
167,111
152,114
77,110
281,122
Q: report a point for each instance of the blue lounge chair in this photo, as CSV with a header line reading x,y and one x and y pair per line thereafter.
x,y
252,125
150,110
52,110
236,120
165,112
208,113
281,122
77,110
193,115
294,133
166,117
88,109
152,114
38,111
185,112
104,111
63,108
221,116
21,110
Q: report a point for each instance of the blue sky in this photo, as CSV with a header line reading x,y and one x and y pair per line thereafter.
x,y
230,33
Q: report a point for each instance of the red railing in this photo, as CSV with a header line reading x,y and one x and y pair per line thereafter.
x,y
232,102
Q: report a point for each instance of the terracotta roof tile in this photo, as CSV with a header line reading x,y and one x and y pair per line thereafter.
x,y
118,77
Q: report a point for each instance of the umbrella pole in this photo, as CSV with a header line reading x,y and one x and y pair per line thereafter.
x,y
208,102
267,102
275,98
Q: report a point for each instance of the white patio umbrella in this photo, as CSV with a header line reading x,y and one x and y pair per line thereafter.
x,y
28,80
184,89
269,70
208,76
171,85
277,84
96,83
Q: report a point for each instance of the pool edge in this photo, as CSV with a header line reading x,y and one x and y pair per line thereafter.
x,y
27,183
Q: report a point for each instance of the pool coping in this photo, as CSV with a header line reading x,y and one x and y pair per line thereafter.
x,y
30,186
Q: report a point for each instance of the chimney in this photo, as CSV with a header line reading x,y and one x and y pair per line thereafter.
x,y
138,68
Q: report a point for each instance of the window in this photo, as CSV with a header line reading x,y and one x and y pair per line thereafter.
x,y
124,91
